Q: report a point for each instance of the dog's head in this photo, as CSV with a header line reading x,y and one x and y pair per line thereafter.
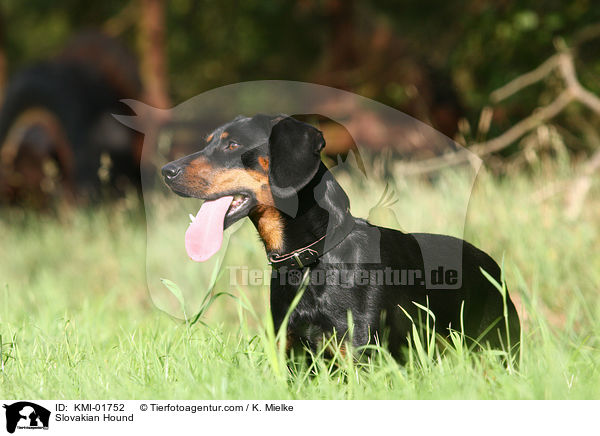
x,y
259,161
248,167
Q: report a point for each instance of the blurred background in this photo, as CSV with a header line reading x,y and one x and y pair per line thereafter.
x,y
65,65
516,82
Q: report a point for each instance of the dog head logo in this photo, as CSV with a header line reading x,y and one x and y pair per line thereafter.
x,y
26,415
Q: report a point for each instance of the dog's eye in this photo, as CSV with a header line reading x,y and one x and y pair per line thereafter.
x,y
232,146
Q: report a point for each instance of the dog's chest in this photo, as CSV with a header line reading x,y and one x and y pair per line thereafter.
x,y
318,311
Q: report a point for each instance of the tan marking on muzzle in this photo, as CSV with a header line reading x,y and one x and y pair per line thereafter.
x,y
265,216
242,180
198,165
199,174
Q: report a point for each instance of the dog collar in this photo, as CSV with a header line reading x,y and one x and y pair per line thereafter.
x,y
308,255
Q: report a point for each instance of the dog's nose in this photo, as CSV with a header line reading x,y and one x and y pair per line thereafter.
x,y
170,171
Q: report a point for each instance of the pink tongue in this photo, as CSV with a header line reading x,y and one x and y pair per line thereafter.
x,y
204,236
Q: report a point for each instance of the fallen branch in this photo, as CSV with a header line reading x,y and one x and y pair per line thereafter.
x,y
525,80
573,91
482,149
567,69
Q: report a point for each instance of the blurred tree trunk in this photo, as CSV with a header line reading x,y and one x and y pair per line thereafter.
x,y
153,53
342,43
2,60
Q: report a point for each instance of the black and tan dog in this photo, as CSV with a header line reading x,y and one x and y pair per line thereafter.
x,y
269,169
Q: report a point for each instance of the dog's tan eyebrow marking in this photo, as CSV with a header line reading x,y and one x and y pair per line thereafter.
x,y
224,135
264,163
210,137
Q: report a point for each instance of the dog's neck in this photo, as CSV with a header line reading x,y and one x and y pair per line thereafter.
x,y
322,208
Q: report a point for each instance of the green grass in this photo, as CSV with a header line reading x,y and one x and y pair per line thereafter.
x,y
76,319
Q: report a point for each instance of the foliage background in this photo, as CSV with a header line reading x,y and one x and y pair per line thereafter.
x,y
452,52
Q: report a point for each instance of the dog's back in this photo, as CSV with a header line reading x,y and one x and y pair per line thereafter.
x,y
459,294
380,284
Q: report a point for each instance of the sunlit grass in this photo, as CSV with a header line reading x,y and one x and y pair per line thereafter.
x,y
76,319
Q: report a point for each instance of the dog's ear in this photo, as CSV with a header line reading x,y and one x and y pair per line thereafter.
x,y
294,156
